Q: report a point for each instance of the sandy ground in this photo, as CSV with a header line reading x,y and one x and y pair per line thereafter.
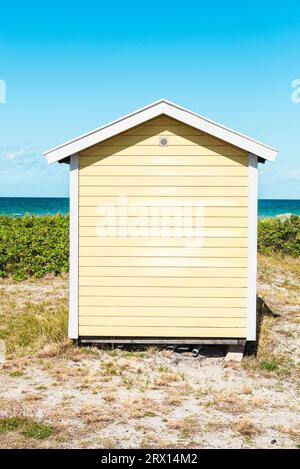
x,y
155,398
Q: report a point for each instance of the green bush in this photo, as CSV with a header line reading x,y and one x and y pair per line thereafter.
x,y
268,366
33,246
28,427
279,235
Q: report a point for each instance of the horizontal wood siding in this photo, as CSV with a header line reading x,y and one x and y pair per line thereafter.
x,y
163,191
161,311
148,282
162,281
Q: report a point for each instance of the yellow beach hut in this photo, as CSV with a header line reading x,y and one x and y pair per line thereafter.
x,y
163,229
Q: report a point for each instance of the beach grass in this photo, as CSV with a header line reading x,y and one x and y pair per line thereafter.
x,y
33,314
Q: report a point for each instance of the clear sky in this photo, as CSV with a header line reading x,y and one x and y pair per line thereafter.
x,y
70,66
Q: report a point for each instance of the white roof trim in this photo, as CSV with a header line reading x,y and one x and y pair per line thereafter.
x,y
149,112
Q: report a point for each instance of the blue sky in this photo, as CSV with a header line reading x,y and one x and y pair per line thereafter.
x,y
72,66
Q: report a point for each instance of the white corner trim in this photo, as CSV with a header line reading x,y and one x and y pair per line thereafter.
x,y
73,275
252,247
154,110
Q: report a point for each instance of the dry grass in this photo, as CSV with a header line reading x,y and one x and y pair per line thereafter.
x,y
151,440
279,287
141,407
31,325
246,427
187,426
278,268
90,414
293,432
173,401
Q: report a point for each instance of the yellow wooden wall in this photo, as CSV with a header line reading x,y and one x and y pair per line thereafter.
x,y
157,286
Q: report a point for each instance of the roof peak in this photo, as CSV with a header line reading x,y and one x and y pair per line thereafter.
x,y
152,110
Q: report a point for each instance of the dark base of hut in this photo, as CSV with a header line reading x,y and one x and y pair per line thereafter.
x,y
161,340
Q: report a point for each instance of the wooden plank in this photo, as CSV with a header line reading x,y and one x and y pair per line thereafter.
x,y
158,321
163,120
162,242
164,129
162,311
145,201
162,262
165,160
161,191
162,292
156,170
163,331
213,302
212,282
174,272
134,225
164,211
184,150
173,181
154,140
220,233
151,251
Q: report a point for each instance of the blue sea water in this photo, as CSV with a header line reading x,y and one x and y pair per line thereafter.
x,y
273,207
18,206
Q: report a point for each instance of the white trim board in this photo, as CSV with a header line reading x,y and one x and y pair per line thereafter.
x,y
154,110
252,247
73,276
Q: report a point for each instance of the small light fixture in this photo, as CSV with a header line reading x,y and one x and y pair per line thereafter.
x,y
163,141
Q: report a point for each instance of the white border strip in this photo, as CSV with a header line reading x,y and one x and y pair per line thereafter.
x,y
73,275
252,247
149,112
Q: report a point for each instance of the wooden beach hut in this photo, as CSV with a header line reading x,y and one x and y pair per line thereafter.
x,y
163,229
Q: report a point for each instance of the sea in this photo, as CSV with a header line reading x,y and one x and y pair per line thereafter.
x,y
19,206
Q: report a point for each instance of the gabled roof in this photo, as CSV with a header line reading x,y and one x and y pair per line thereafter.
x,y
151,111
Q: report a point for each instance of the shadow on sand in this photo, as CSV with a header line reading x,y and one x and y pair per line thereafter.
x,y
262,310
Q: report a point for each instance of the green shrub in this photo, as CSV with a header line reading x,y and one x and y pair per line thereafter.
x,y
28,427
268,366
33,246
37,430
10,424
279,235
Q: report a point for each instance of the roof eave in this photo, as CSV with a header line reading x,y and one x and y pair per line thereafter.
x,y
154,110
